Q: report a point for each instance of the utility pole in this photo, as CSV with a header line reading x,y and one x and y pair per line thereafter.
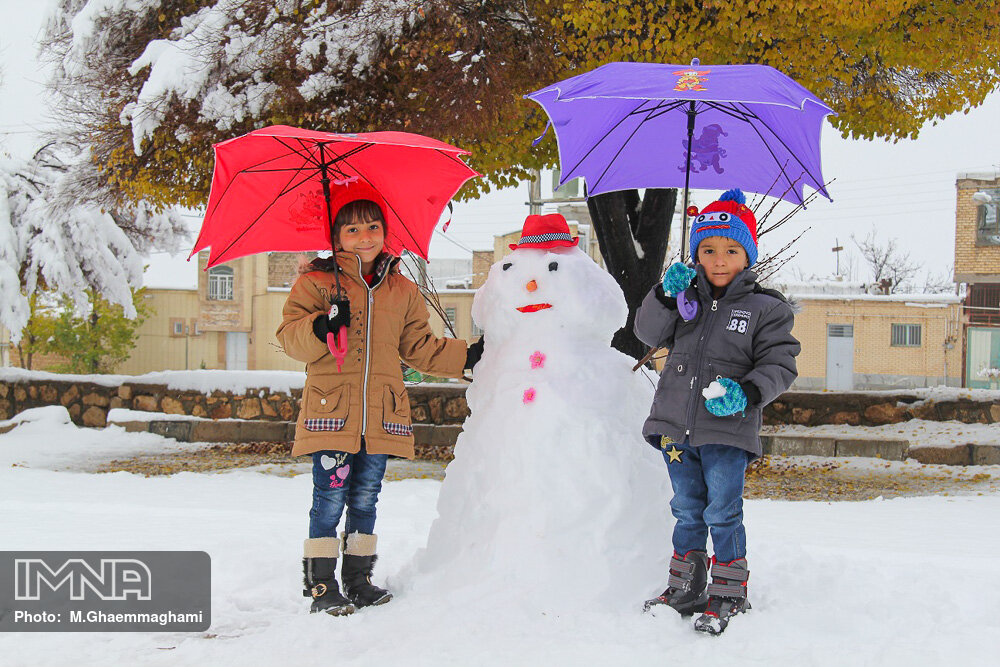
x,y
837,248
535,200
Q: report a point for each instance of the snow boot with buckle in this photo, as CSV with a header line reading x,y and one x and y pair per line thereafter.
x,y
727,596
319,577
356,571
685,592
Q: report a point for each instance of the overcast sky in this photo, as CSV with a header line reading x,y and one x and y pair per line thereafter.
x,y
904,190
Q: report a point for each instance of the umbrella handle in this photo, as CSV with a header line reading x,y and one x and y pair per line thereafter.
x,y
338,345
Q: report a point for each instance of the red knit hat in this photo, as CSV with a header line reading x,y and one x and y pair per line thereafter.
x,y
729,217
545,231
354,189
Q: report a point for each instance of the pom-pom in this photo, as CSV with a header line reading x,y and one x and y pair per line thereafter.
x,y
735,195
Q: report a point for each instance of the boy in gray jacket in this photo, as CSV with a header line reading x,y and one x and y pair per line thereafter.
x,y
731,353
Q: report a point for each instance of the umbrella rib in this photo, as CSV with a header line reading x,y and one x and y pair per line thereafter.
x,y
343,158
302,151
271,171
598,143
249,170
620,149
285,190
667,108
782,142
747,115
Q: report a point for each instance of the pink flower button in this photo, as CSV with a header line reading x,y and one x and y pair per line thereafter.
x,y
537,359
529,395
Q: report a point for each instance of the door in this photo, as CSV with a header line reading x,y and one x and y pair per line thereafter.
x,y
840,357
236,350
982,351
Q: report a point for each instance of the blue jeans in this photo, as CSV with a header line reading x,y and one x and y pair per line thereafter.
x,y
708,496
341,479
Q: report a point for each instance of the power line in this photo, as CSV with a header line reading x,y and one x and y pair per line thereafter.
x,y
453,241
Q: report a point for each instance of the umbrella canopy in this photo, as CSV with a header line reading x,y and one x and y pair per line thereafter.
x,y
630,125
278,188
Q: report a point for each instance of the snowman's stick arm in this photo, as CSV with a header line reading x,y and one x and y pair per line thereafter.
x,y
642,362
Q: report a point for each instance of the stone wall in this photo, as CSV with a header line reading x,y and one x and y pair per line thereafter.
x,y
861,409
88,403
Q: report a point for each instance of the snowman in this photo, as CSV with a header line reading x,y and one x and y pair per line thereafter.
x,y
553,495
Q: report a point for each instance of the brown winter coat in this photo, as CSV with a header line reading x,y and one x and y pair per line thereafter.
x,y
367,397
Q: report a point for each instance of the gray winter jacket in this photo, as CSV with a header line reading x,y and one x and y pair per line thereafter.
x,y
744,335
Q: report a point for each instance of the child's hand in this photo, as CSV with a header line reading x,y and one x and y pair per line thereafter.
x,y
339,316
730,401
677,278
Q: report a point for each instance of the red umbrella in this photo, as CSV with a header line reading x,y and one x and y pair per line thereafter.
x,y
277,189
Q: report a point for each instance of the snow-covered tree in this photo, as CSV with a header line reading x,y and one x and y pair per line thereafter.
x,y
152,84
57,233
149,85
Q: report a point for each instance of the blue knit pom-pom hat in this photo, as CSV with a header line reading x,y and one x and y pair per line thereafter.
x,y
730,217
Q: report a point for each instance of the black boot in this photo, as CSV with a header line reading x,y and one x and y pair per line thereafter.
x,y
686,585
319,577
727,596
356,571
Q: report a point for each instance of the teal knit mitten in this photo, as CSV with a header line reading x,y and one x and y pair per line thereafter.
x,y
677,278
732,402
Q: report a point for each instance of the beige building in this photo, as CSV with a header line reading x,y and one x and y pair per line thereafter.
x,y
977,264
5,347
228,318
862,341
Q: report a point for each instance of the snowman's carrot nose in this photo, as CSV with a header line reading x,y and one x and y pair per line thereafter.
x,y
531,286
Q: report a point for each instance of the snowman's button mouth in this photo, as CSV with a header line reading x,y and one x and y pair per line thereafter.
x,y
534,307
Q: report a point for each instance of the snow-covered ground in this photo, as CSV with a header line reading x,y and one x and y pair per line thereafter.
x,y
900,582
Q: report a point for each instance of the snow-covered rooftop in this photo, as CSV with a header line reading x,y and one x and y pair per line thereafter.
x,y
166,271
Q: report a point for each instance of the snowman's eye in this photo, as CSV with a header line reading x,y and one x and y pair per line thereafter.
x,y
553,266
507,265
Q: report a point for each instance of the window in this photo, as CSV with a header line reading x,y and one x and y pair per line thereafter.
x,y
983,304
220,283
476,330
988,218
840,330
905,335
449,312
178,328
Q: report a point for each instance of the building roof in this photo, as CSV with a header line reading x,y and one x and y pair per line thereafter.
x,y
166,271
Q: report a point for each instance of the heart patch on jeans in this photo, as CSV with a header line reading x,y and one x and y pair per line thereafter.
x,y
329,462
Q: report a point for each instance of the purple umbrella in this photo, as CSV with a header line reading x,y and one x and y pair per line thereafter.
x,y
651,125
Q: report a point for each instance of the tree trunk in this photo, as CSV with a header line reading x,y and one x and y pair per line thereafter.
x,y
627,227
94,354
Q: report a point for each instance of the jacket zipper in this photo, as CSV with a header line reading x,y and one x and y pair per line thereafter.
x,y
368,338
692,399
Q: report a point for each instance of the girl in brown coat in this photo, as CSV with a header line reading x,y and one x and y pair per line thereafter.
x,y
352,418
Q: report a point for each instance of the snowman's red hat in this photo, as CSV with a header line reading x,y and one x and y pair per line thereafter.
x,y
545,231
